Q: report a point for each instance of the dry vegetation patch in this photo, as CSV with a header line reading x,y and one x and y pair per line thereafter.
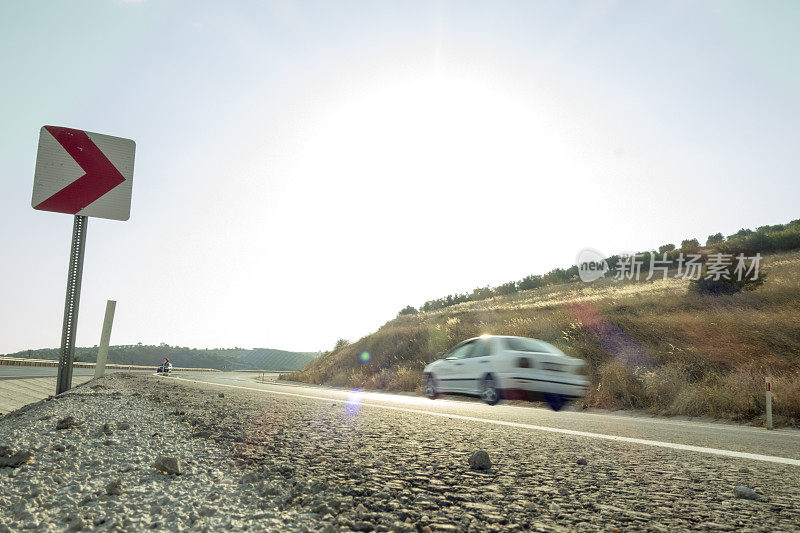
x,y
648,345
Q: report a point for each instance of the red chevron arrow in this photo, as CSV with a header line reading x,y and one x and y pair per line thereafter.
x,y
101,175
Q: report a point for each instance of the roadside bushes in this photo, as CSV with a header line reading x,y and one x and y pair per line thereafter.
x,y
669,390
786,396
618,388
665,384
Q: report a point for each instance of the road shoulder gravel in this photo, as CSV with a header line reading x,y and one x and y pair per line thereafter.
x,y
142,452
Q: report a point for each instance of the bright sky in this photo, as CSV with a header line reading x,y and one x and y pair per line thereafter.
x,y
306,169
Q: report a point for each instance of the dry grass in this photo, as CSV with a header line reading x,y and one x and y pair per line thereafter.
x,y
648,345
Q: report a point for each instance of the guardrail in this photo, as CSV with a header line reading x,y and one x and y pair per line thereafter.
x,y
18,361
268,371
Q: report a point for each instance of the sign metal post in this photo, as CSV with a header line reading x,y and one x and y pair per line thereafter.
x,y
73,300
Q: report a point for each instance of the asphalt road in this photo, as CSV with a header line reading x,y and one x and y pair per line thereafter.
x,y
717,438
364,462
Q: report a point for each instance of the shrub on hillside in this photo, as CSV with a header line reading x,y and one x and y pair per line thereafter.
x,y
505,289
408,310
666,248
781,237
725,286
690,246
530,282
714,239
481,293
341,343
788,239
558,275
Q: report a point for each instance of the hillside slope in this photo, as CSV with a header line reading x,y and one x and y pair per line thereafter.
x,y
648,345
229,359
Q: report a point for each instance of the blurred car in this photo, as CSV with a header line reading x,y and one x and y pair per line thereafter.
x,y
495,367
164,368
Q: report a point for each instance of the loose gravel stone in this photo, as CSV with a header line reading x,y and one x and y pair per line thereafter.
x,y
168,465
273,463
746,493
114,488
16,459
479,460
68,422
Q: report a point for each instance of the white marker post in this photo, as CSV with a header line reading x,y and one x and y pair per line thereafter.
x,y
105,338
768,386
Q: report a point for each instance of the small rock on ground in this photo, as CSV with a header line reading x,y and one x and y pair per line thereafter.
x,y
746,493
479,460
16,459
167,464
67,422
114,488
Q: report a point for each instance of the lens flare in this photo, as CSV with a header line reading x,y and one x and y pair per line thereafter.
x,y
364,357
353,405
611,337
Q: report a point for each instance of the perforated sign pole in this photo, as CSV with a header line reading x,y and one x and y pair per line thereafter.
x,y
73,300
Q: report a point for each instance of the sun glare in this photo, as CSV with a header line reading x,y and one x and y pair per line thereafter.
x,y
469,132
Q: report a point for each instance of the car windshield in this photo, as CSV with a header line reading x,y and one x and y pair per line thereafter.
x,y
461,351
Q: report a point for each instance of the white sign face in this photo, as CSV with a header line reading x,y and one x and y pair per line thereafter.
x,y
83,173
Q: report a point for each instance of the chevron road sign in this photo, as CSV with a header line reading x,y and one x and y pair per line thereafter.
x,y
83,174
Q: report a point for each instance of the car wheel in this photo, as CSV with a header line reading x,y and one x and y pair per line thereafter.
x,y
555,401
430,387
489,391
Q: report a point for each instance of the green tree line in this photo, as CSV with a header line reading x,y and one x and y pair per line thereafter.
x,y
217,358
763,240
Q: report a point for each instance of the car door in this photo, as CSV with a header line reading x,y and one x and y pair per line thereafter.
x,y
452,375
477,365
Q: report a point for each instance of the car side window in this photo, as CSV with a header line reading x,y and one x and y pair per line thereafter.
x,y
482,348
462,351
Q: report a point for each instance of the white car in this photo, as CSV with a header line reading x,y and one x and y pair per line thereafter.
x,y
493,367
